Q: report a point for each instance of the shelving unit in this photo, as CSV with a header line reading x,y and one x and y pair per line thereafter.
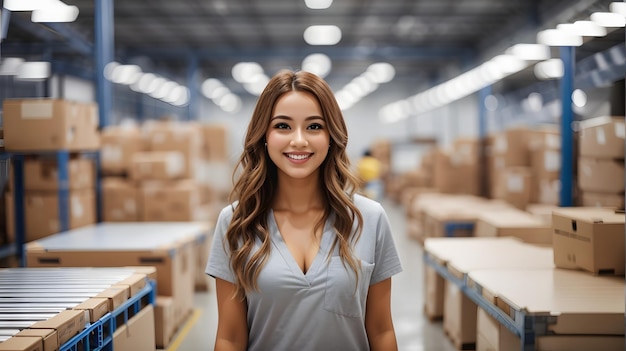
x,y
17,166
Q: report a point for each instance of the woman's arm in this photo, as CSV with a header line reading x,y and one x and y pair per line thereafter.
x,y
378,323
232,327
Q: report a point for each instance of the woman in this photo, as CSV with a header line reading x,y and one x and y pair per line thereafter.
x,y
301,262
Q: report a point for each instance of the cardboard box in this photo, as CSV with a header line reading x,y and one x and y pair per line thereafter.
x,y
67,323
96,308
121,200
42,174
48,337
185,138
602,137
546,190
589,238
454,175
137,334
173,258
50,124
27,343
215,138
515,223
165,327
41,212
593,199
459,317
493,336
511,147
115,296
433,293
516,183
119,144
601,175
171,201
157,165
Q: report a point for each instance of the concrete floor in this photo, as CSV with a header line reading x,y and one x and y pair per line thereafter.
x,y
414,332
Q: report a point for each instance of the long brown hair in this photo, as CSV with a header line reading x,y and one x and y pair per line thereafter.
x,y
257,180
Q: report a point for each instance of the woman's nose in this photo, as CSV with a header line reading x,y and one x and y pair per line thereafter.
x,y
299,139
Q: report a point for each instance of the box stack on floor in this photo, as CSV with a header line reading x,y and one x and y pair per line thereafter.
x,y
479,283
166,171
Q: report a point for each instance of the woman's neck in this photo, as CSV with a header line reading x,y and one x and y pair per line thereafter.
x,y
298,196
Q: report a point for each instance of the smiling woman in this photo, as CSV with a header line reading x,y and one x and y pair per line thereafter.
x,y
300,255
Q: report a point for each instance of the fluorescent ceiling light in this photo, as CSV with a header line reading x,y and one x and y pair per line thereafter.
x,y
557,37
26,5
245,72
530,52
33,71
549,69
618,7
319,64
383,72
318,4
322,35
608,19
55,12
10,66
583,28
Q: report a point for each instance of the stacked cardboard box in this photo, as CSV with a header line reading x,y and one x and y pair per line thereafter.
x,y
456,169
545,165
37,128
601,162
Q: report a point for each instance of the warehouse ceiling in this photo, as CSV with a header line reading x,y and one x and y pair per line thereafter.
x,y
422,39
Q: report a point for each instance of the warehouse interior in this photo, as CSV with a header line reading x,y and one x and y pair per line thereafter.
x,y
497,126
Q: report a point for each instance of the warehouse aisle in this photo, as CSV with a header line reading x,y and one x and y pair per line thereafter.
x,y
414,332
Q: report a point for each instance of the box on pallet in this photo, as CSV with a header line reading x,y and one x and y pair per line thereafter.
x,y
602,137
589,238
121,200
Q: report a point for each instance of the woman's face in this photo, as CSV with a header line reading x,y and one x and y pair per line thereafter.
x,y
297,136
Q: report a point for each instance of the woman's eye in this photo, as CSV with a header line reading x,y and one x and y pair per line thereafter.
x,y
316,126
281,126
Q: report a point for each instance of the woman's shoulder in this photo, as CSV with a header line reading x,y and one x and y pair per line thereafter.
x,y
226,214
367,206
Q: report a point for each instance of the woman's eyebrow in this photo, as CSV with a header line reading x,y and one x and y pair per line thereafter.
x,y
291,119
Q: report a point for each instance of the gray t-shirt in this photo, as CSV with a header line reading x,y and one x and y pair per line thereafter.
x,y
318,310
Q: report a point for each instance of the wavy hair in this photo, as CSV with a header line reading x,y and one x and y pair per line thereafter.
x,y
256,180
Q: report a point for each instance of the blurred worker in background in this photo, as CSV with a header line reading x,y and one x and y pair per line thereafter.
x,y
369,170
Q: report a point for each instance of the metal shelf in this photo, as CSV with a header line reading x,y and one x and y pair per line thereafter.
x,y
62,158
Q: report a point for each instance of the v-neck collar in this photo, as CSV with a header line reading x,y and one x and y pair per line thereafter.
x,y
281,246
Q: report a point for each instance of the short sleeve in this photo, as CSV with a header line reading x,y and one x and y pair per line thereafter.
x,y
218,265
387,261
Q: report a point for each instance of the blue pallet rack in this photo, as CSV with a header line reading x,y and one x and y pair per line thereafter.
x,y
62,158
99,335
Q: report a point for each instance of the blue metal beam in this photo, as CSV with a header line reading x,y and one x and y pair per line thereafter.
x,y
103,54
567,134
193,109
6,17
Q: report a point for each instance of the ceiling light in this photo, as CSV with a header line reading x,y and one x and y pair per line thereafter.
x,y
530,52
10,66
322,35
618,7
210,87
319,64
33,71
579,98
557,37
56,11
509,64
318,4
244,72
583,28
383,72
608,19
549,69
25,5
